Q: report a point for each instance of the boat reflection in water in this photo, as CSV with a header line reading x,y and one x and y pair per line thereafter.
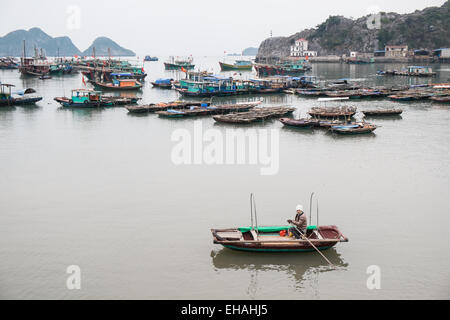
x,y
304,267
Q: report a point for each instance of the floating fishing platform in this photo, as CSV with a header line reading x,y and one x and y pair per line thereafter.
x,y
254,115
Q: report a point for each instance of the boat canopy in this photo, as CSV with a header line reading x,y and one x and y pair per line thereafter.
x,y
121,74
161,81
271,229
24,91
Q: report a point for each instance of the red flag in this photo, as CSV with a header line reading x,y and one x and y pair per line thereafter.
x,y
82,79
183,69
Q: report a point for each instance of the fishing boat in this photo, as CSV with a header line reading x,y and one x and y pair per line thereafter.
x,y
238,65
268,239
299,123
206,109
45,77
85,98
34,66
154,107
120,81
163,83
292,68
17,97
174,64
254,115
382,112
354,128
148,58
411,96
8,63
256,238
410,71
441,99
60,68
332,112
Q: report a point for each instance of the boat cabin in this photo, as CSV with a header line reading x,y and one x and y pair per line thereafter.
x,y
85,95
420,70
5,90
123,80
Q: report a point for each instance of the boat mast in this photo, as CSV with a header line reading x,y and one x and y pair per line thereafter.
x,y
253,205
23,53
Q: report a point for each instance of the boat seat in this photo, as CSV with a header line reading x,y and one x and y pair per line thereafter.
x,y
230,236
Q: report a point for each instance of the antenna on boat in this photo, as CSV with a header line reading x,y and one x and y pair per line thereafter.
x,y
317,208
310,206
253,208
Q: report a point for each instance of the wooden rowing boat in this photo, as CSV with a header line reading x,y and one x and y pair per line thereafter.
x,y
268,239
445,99
299,123
332,112
382,112
354,128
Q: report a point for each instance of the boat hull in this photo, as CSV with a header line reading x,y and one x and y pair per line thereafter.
x,y
174,66
280,250
230,67
269,239
117,88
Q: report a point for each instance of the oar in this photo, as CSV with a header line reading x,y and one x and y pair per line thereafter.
x,y
306,238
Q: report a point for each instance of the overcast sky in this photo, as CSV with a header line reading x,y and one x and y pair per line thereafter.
x,y
172,27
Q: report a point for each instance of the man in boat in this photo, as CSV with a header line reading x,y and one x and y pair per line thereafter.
x,y
300,223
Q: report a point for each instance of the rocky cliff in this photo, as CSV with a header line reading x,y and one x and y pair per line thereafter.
x,y
428,28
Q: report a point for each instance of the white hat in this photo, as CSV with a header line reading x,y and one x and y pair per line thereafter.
x,y
299,207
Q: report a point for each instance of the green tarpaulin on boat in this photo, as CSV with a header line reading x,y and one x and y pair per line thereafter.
x,y
271,229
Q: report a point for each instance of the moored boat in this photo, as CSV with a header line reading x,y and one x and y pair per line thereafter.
x,y
382,112
238,65
299,123
332,112
120,81
149,58
85,98
163,83
179,64
18,97
441,99
354,128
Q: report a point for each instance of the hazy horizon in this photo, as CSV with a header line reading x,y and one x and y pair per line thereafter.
x,y
180,28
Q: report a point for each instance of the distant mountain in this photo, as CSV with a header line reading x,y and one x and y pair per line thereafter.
x,y
12,45
250,51
427,29
102,44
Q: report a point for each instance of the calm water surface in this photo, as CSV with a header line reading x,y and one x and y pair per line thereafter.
x,y
97,188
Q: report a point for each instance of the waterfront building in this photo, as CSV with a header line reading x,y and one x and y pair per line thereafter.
x,y
396,51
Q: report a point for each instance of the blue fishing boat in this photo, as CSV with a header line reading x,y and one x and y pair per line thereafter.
x,y
148,58
163,83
